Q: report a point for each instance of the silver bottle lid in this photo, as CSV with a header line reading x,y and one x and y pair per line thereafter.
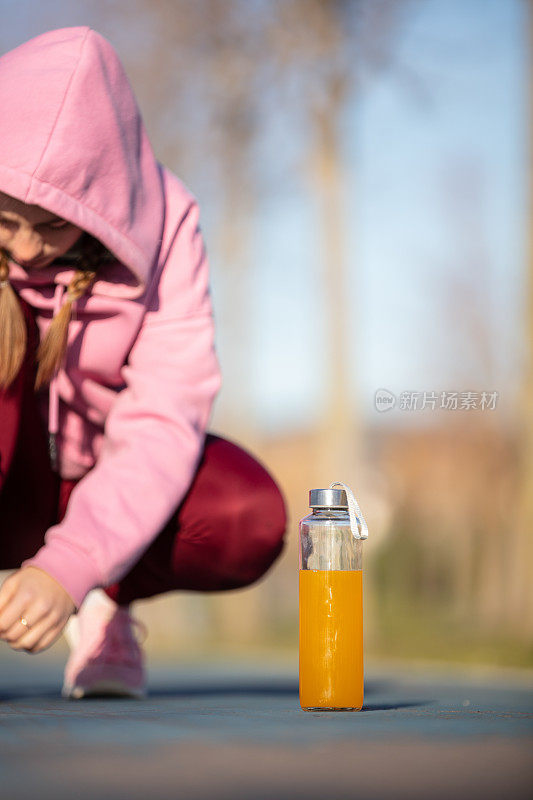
x,y
328,498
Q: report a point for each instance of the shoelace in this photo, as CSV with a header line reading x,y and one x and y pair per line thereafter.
x,y
120,635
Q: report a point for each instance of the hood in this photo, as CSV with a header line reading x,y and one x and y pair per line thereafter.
x,y
74,143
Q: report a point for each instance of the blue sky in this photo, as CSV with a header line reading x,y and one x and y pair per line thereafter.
x,y
408,232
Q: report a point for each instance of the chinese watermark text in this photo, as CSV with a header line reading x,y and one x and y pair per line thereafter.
x,y
384,400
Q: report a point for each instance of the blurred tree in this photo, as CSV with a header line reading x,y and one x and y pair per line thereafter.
x,y
244,62
468,356
323,52
198,79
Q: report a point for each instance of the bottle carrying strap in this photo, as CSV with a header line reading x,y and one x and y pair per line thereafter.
x,y
356,515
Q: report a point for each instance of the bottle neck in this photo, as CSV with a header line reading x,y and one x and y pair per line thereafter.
x,y
325,511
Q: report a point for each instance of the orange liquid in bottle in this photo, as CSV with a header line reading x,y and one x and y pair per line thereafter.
x,y
331,639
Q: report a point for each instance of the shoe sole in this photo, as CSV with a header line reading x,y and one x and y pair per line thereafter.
x,y
102,689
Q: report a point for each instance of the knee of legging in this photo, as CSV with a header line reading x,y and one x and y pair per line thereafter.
x,y
260,528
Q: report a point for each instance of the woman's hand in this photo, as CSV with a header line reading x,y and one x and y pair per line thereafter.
x,y
33,594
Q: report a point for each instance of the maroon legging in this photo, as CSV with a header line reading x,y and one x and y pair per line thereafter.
x,y
226,532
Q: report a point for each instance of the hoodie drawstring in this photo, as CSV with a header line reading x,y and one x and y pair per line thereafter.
x,y
53,398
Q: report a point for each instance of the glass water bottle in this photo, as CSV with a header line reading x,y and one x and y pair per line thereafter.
x,y
331,601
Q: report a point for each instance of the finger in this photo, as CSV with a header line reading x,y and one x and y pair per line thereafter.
x,y
7,592
33,614
47,640
12,613
32,637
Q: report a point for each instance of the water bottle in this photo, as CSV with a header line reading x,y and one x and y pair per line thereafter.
x,y
331,601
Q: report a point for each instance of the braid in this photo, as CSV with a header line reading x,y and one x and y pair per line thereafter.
x,y
52,349
13,335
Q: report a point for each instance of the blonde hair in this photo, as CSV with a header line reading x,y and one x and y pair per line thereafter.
x,y
13,334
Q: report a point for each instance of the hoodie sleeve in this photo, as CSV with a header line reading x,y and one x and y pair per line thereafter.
x,y
154,432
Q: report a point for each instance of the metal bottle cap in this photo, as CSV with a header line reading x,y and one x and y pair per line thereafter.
x,y
328,498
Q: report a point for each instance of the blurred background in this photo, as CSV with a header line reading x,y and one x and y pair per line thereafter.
x,y
363,172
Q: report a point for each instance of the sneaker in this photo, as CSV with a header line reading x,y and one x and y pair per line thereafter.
x,y
106,657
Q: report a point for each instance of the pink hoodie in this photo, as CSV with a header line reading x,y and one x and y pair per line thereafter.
x,y
130,406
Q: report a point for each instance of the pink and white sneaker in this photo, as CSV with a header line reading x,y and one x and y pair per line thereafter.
x,y
106,658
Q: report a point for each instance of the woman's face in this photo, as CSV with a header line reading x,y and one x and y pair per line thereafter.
x,y
32,236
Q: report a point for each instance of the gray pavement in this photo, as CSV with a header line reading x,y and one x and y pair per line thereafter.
x,y
230,730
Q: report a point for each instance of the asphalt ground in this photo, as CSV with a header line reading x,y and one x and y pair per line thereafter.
x,y
232,729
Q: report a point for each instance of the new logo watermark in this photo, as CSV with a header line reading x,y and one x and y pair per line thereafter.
x,y
385,400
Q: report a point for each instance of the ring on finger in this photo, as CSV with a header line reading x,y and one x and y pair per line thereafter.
x,y
24,621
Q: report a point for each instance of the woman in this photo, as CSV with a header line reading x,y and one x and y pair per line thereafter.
x,y
111,489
